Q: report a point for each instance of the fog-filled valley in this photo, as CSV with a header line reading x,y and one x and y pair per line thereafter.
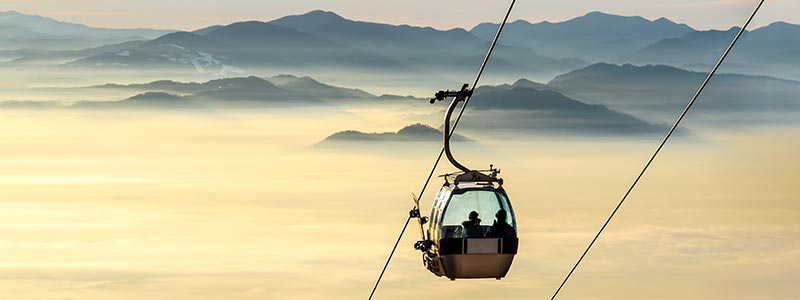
x,y
246,205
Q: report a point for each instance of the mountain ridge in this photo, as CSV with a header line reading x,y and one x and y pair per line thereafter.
x,y
28,31
325,41
586,36
660,91
412,133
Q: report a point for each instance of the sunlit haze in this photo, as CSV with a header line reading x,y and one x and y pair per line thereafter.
x,y
278,160
440,14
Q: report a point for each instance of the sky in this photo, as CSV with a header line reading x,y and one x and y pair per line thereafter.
x,y
443,14
238,205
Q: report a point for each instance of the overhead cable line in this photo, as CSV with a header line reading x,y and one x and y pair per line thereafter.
x,y
660,146
441,152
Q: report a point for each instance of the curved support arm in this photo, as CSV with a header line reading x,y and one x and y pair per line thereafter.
x,y
447,132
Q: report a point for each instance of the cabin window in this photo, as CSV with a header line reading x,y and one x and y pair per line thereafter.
x,y
485,202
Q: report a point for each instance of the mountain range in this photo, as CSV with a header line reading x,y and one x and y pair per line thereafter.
x,y
22,31
536,107
277,91
245,44
598,99
659,92
670,63
325,40
770,50
300,86
522,105
412,133
595,36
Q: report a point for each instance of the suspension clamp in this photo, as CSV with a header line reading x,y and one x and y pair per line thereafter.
x,y
414,213
459,95
423,245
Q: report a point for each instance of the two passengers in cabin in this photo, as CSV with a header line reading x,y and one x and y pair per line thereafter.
x,y
500,228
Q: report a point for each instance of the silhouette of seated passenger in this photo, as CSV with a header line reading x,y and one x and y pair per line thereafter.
x,y
501,228
472,227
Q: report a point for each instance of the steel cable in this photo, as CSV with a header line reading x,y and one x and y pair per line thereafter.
x,y
441,152
660,146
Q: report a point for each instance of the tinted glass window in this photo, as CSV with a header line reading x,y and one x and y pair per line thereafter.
x,y
509,210
485,202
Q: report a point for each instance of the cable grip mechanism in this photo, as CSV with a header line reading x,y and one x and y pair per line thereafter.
x,y
414,214
459,95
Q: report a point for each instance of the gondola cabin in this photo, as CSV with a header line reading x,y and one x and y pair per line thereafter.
x,y
472,231
458,242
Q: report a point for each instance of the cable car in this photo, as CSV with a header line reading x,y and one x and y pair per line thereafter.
x,y
472,231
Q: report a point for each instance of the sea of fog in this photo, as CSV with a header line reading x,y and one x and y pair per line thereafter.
x,y
242,205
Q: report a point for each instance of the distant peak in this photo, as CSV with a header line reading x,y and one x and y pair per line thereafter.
x,y
178,34
312,19
779,23
782,25
14,13
525,83
416,127
17,14
603,65
251,23
663,20
154,96
596,14
519,22
286,76
603,15
522,81
322,14
307,78
248,79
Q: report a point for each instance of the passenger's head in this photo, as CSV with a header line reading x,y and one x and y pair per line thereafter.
x,y
473,216
501,215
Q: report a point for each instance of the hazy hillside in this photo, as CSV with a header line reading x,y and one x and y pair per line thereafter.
x,y
320,41
241,45
454,49
148,100
19,30
411,133
662,91
770,50
400,42
326,40
25,58
236,92
524,105
516,61
691,48
595,36
298,86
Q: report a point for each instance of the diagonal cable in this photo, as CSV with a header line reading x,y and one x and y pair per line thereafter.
x,y
441,152
660,146
374,288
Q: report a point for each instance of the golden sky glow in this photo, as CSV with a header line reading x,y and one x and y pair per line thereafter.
x,y
189,15
236,206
